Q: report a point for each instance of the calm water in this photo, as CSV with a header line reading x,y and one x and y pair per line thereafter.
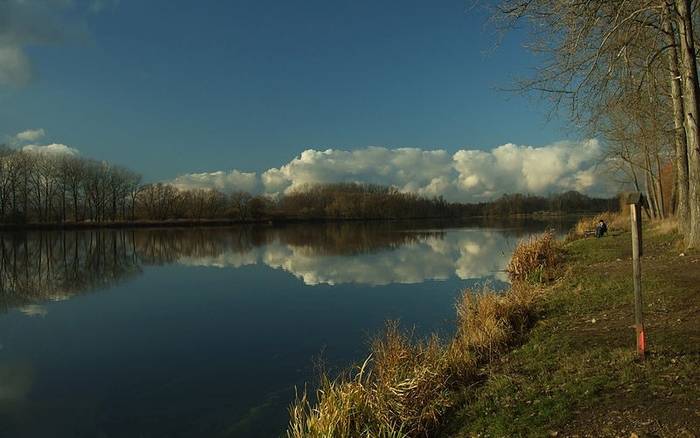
x,y
206,332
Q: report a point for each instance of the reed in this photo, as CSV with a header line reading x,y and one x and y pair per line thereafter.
x,y
534,259
616,221
405,386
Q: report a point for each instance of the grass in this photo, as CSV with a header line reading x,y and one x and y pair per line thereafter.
x,y
406,386
577,374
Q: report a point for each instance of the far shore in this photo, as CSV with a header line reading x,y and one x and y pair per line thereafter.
x,y
193,223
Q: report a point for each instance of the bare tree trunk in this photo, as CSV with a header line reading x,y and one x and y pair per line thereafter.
x,y
651,195
681,183
659,187
689,74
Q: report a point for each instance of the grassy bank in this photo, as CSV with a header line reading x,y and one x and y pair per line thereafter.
x,y
553,356
577,374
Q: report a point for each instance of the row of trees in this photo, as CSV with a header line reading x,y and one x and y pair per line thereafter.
x,y
569,202
625,70
50,188
355,201
58,188
45,187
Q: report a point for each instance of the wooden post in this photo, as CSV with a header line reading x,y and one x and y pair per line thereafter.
x,y
635,202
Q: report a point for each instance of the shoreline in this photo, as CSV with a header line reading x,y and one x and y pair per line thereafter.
x,y
197,223
577,372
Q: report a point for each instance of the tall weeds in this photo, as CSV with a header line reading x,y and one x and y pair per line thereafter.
x,y
533,260
405,386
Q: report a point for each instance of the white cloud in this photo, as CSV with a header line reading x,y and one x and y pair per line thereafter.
x,y
51,149
467,175
512,168
409,169
30,135
224,181
24,141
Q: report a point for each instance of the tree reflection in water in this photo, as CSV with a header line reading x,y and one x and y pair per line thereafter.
x,y
41,266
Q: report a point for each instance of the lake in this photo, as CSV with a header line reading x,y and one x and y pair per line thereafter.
x,y
207,331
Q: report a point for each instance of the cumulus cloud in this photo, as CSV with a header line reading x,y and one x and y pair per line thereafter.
x,y
51,149
26,23
409,169
25,140
224,181
467,175
512,168
30,135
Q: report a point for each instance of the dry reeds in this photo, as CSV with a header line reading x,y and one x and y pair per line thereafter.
x,y
533,259
405,386
665,226
586,225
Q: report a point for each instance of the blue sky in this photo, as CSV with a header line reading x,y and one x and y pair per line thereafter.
x,y
176,86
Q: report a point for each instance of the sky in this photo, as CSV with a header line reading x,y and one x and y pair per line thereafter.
x,y
179,90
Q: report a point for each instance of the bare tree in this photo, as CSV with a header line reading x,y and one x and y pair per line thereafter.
x,y
597,54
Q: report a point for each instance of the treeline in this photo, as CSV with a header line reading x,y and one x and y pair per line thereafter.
x,y
50,188
568,202
364,201
361,201
44,188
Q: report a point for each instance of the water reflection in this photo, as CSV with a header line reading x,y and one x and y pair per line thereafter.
x,y
52,266
55,266
15,381
206,332
432,256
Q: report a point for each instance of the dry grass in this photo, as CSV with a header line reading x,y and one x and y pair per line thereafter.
x,y
616,221
534,259
405,386
665,226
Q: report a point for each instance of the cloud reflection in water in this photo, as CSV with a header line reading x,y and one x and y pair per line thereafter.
x,y
43,266
465,254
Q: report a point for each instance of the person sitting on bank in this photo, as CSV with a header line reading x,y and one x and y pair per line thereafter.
x,y
601,229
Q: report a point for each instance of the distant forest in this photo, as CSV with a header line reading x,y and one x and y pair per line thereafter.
x,y
43,188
